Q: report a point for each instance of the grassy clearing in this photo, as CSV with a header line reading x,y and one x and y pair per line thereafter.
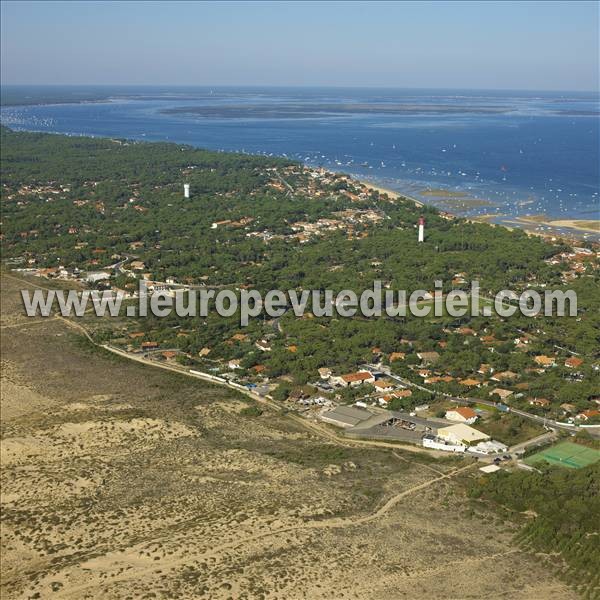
x,y
510,429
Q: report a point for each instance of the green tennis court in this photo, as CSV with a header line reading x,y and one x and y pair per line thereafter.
x,y
566,454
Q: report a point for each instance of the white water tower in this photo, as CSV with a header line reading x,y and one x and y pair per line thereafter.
x,y
186,190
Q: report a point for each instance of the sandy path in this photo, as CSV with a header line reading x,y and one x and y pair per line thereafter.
x,y
334,523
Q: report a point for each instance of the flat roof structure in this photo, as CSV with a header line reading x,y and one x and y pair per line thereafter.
x,y
489,468
462,433
346,416
382,424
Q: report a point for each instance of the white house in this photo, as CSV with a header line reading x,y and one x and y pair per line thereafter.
x,y
462,414
383,386
353,379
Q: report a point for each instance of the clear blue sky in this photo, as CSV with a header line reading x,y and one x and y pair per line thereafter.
x,y
513,45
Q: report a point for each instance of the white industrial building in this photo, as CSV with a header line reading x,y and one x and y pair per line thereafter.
x,y
94,276
489,447
462,434
435,443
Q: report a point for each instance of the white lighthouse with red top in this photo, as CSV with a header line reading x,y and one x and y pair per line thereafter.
x,y
421,229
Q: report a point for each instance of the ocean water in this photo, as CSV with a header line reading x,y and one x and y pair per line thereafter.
x,y
507,154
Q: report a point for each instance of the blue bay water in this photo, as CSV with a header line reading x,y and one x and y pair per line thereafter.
x,y
519,153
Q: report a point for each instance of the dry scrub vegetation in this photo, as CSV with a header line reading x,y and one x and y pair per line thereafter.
x,y
124,481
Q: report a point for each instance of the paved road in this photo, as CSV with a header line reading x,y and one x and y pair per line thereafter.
x,y
540,439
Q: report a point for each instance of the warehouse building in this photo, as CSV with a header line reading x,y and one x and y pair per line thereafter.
x,y
381,424
461,434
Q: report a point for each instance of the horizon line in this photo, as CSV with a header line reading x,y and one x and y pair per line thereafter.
x,y
300,86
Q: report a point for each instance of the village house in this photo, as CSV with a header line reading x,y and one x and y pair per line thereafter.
x,y
544,361
150,345
470,382
541,402
353,379
169,355
239,337
466,331
462,414
234,363
502,393
397,394
573,362
397,356
439,379
204,352
521,342
586,415
383,386
504,376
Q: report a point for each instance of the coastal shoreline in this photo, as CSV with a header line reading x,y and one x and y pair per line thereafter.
x,y
584,225
555,228
391,193
577,229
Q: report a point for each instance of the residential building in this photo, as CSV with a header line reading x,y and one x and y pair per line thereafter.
x,y
462,414
586,415
544,361
353,379
543,402
383,386
573,362
502,393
